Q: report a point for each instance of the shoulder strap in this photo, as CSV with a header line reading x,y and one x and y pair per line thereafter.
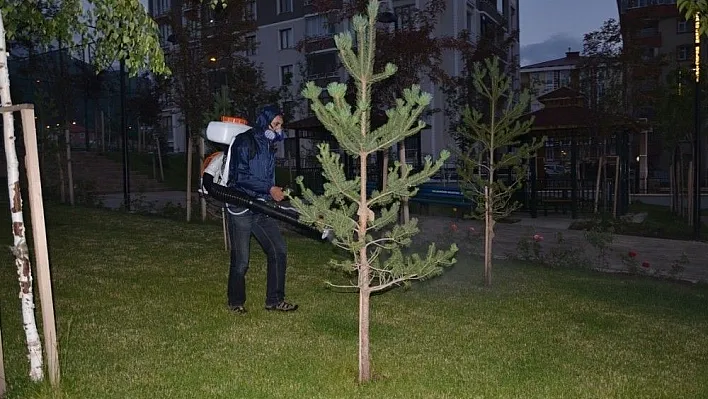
x,y
251,142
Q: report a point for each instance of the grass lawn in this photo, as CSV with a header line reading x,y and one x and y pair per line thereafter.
x,y
140,304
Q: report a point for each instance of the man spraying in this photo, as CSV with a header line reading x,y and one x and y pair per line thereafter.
x,y
250,170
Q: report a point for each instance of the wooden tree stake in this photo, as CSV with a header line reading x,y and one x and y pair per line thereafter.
x,y
39,236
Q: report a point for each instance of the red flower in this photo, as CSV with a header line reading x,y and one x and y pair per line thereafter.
x,y
645,264
453,227
632,254
537,237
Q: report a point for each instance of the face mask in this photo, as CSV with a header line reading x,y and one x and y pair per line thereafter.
x,y
274,136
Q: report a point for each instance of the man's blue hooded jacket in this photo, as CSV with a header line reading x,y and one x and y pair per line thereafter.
x,y
252,170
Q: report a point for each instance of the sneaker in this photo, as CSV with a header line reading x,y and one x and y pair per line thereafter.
x,y
282,306
238,309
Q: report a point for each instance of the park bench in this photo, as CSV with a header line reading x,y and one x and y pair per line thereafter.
x,y
435,194
441,195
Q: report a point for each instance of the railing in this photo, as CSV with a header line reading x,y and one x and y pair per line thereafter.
x,y
324,75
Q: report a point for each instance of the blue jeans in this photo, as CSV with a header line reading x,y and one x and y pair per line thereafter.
x,y
268,235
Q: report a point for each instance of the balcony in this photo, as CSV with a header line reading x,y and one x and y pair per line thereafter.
x,y
648,32
323,79
489,7
318,43
650,12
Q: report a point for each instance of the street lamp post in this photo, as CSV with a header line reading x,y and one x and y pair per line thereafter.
x,y
697,136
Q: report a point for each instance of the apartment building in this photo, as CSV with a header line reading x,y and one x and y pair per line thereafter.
x,y
657,30
294,44
544,77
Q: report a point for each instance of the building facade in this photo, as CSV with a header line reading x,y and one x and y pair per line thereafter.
x,y
294,44
544,77
662,36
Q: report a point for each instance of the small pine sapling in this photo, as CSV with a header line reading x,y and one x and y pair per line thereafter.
x,y
490,134
380,257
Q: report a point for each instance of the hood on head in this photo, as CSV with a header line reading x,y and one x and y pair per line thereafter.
x,y
266,116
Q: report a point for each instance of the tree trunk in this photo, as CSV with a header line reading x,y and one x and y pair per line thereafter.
x,y
69,171
364,280
62,184
202,200
19,248
159,158
364,351
404,200
488,236
103,132
384,180
682,211
189,179
3,386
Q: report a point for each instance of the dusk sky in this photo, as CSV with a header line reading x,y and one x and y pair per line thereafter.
x,y
549,27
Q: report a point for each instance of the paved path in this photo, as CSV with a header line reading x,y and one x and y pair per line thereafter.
x,y
660,253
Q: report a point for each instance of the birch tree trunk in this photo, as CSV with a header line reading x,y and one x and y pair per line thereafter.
x,y
19,248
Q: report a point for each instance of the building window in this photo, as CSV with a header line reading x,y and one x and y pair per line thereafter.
x,y
322,65
405,15
512,18
165,32
285,6
318,26
160,7
249,10
682,26
286,75
286,38
647,3
251,45
469,20
683,53
648,53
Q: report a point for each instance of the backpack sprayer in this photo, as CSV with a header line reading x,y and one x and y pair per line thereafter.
x,y
215,178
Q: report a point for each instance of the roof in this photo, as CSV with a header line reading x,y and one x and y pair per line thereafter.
x,y
560,93
571,59
560,115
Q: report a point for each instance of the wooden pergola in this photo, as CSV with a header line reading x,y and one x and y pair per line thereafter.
x,y
579,139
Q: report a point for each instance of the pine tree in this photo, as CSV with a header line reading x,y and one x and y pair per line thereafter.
x,y
503,125
346,207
